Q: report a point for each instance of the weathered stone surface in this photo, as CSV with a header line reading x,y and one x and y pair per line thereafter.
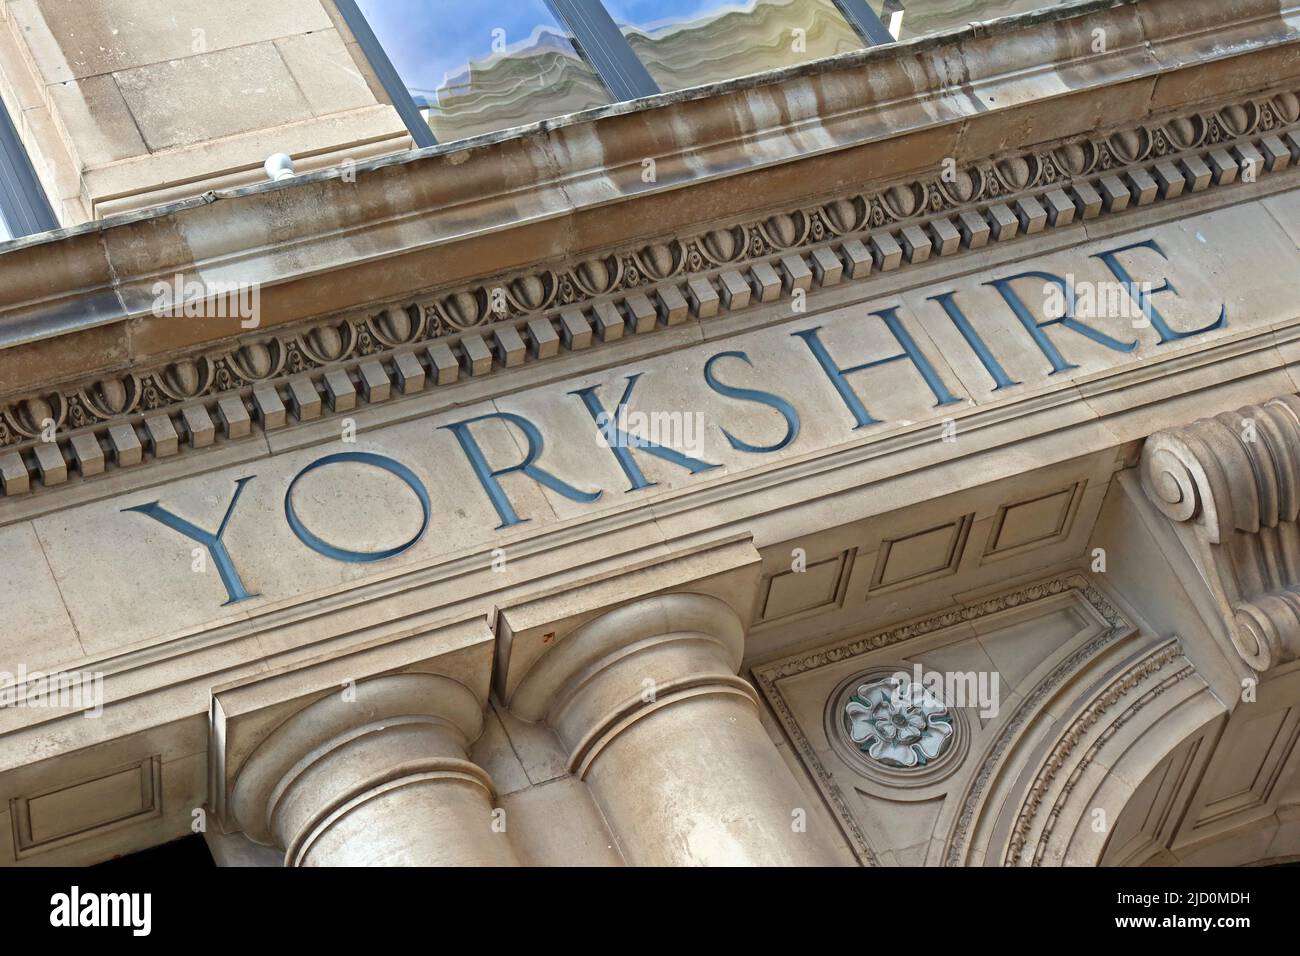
x,y
575,329
863,473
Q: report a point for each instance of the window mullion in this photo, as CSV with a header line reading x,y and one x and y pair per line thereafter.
x,y
387,73
605,47
23,205
864,20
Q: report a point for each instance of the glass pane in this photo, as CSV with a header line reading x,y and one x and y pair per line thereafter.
x,y
906,19
4,230
692,42
474,66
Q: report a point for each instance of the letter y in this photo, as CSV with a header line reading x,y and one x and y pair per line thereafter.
x,y
216,549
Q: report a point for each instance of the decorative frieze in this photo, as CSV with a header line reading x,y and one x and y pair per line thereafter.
x,y
505,322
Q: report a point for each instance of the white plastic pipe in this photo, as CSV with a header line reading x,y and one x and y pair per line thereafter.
x,y
278,166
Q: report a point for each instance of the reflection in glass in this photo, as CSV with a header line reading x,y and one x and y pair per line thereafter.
x,y
474,66
4,230
693,42
906,19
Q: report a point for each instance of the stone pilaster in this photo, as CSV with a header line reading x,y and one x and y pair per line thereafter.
x,y
1231,487
646,700
380,776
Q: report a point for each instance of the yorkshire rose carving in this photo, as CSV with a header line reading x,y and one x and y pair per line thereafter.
x,y
898,723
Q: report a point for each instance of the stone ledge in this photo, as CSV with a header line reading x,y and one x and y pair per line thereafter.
x,y
332,367
892,109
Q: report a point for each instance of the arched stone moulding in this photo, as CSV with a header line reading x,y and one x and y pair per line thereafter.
x,y
1050,787
1227,795
331,365
1065,805
1230,486
1077,733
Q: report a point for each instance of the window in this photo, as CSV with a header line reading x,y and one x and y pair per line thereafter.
x,y
467,74
908,19
457,68
705,41
23,207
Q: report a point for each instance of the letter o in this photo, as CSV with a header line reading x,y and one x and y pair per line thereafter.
x,y
321,546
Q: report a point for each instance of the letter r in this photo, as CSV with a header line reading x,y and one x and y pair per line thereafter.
x,y
216,548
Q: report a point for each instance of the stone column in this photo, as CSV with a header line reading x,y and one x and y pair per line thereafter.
x,y
647,702
380,780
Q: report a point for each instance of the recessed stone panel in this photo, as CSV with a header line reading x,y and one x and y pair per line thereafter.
x,y
85,808
819,585
1034,521
920,556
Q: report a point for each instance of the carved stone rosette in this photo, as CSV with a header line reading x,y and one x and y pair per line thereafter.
x,y
1231,486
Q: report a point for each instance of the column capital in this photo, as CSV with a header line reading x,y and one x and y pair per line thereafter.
x,y
645,698
532,630
361,758
350,745
1230,486
629,662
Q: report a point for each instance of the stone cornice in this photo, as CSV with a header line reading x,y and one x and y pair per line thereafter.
x,y
334,365
332,240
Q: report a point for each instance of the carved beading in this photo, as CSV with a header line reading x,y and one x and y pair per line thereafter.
x,y
444,317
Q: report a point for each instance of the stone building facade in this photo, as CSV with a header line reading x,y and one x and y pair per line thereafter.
x,y
889,457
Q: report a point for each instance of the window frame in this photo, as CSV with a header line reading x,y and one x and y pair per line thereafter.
x,y
392,83
603,45
599,40
865,21
23,205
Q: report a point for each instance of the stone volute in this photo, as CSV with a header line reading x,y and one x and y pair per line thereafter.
x,y
1230,486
